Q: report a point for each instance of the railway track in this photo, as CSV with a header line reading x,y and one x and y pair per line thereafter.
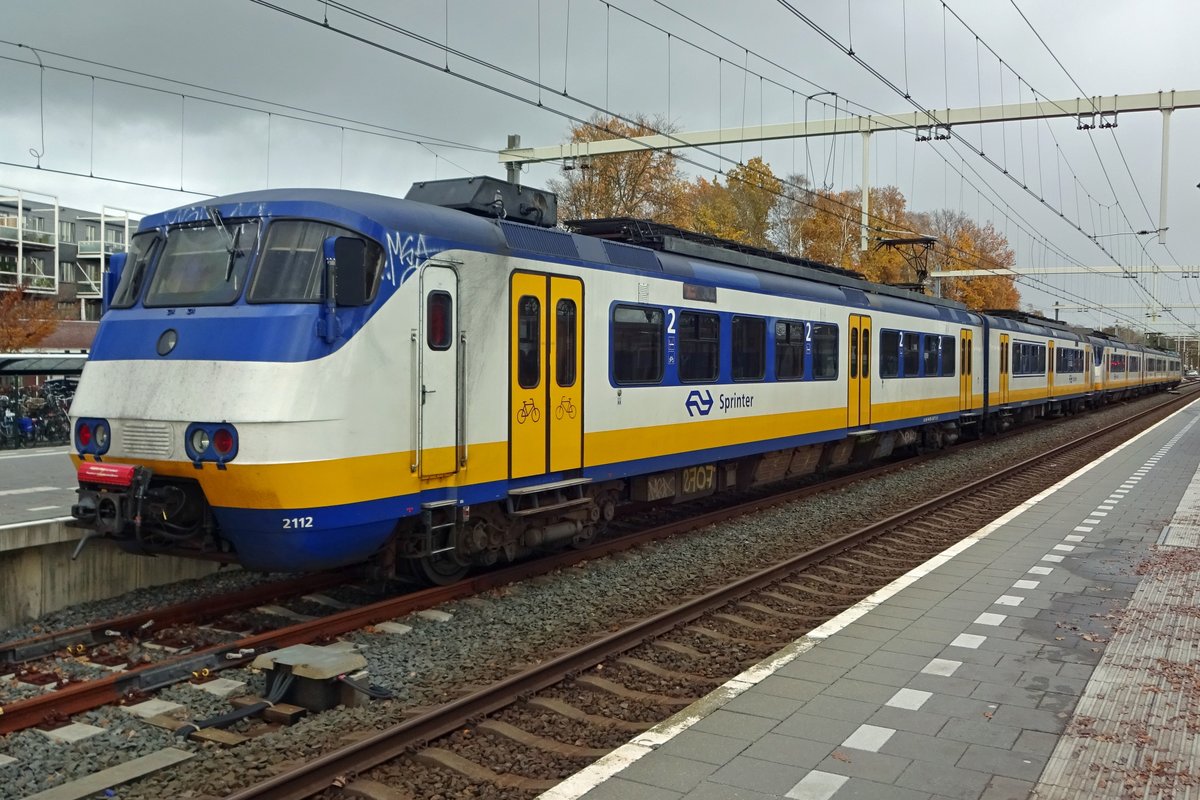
x,y
525,732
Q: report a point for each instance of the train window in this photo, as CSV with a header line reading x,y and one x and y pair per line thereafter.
x,y
824,352
789,351
929,355
910,344
866,353
439,320
637,351
749,348
564,342
291,268
203,266
529,339
889,354
141,248
699,346
948,352
854,352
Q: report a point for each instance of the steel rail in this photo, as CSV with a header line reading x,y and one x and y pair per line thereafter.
x,y
334,767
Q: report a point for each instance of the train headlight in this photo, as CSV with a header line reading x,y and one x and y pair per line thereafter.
x,y
211,441
200,441
92,436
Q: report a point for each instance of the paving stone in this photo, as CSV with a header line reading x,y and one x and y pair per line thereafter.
x,y
863,789
1030,719
822,674
817,785
1023,766
222,687
864,764
722,791
668,772
820,729
151,708
701,746
1042,744
1002,788
921,747
944,780
851,644
1014,695
737,726
617,788
882,675
821,654
892,660
790,688
840,708
759,776
980,731
789,750
74,732
868,737
764,705
904,720
914,647
860,690
960,687
961,707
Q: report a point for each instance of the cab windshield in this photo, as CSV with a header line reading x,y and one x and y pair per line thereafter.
x,y
203,265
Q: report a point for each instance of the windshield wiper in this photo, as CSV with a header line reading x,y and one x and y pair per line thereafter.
x,y
234,253
214,216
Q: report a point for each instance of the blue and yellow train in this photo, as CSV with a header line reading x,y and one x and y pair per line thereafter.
x,y
302,379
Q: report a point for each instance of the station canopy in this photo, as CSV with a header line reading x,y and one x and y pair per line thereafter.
x,y
68,364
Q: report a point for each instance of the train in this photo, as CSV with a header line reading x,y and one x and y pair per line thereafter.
x,y
301,379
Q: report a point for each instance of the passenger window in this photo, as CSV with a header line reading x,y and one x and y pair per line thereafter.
x,y
529,354
439,320
749,348
291,268
889,354
564,342
699,346
824,352
637,333
854,352
912,354
948,349
789,351
866,354
929,356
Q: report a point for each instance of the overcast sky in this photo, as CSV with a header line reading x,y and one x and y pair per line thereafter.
x,y
629,57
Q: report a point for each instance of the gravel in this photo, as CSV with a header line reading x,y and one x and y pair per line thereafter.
x,y
490,635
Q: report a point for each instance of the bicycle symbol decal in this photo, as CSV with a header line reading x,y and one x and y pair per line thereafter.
x,y
528,411
565,406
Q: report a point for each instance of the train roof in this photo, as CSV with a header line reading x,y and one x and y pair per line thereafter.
x,y
676,252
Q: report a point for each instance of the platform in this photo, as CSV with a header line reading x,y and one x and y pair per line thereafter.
x,y
1051,654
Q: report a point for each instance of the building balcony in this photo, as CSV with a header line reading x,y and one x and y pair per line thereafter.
x,y
11,232
31,278
94,248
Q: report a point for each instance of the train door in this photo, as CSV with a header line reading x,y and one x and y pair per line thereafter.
x,y
1050,369
966,385
1005,355
438,411
1087,372
858,400
546,374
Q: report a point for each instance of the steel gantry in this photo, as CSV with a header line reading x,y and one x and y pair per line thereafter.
x,y
1089,112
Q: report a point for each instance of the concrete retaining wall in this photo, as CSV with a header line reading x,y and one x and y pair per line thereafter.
x,y
37,575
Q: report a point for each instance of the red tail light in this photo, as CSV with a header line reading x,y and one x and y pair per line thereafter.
x,y
222,441
84,435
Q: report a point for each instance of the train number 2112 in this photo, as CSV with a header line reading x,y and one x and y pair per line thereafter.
x,y
297,522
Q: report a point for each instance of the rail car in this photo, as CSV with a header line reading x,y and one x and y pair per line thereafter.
x,y
301,379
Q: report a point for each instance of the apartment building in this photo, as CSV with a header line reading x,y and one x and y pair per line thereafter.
x,y
53,250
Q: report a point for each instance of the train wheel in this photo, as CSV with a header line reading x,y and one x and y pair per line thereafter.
x,y
438,569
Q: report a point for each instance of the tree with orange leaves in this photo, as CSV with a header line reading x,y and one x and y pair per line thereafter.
x,y
25,321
